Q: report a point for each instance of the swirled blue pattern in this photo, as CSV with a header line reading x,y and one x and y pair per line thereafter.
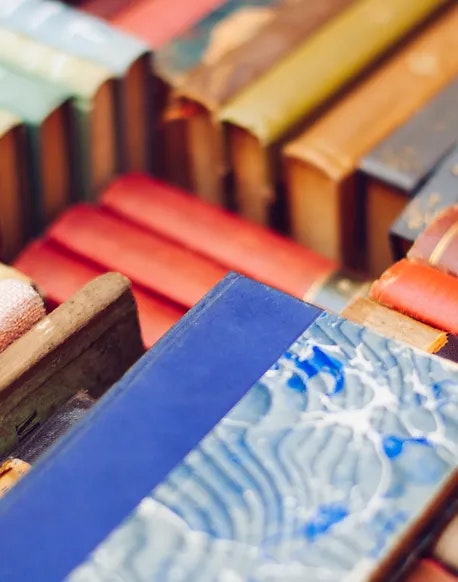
x,y
313,476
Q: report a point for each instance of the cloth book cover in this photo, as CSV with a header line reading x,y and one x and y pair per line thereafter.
x,y
330,443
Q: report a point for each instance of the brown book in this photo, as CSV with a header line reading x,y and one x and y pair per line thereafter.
x,y
212,83
13,226
89,341
10,472
323,185
395,325
438,243
396,168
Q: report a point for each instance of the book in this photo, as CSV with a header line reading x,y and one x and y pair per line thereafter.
x,y
82,35
445,547
159,266
226,27
67,415
13,230
429,571
21,307
438,192
396,168
42,260
44,110
92,89
8,272
268,471
438,243
214,81
420,291
324,190
10,472
80,345
394,325
106,9
230,241
264,114
158,21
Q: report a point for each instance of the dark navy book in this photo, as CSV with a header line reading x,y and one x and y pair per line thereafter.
x,y
262,439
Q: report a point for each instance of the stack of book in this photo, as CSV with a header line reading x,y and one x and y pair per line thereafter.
x,y
260,194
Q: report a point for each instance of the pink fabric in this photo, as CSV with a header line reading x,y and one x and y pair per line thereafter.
x,y
20,308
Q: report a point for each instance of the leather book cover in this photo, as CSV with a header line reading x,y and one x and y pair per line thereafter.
x,y
92,90
160,266
396,168
126,57
307,445
438,192
44,109
325,192
420,291
90,341
438,243
42,260
216,234
213,82
269,109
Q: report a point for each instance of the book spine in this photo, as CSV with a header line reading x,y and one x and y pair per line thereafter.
x,y
420,291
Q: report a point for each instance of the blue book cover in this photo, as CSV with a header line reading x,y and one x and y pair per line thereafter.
x,y
262,440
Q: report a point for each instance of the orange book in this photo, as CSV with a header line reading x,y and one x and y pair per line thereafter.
x,y
225,238
148,260
438,243
420,291
63,274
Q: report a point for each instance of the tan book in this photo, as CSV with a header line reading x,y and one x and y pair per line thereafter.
x,y
395,325
446,547
86,343
321,164
92,88
13,222
267,113
7,272
10,472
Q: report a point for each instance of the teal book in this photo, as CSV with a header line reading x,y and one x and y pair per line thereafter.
x,y
45,111
261,439
125,57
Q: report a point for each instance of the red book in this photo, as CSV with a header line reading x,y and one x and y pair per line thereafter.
x,y
62,275
237,244
420,291
438,243
148,260
429,571
154,21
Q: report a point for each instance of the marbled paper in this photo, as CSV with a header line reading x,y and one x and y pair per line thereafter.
x,y
311,477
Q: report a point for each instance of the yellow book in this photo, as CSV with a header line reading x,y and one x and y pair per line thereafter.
x,y
323,186
92,88
271,108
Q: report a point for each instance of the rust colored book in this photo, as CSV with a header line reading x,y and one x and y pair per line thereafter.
x,y
218,78
50,363
219,235
438,243
430,571
43,260
395,325
321,165
150,261
158,21
420,291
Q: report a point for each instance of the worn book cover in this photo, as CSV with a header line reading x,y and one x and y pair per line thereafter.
x,y
396,168
324,190
320,455
82,35
438,192
264,114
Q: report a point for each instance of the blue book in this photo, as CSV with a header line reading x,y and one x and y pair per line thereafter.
x,y
262,439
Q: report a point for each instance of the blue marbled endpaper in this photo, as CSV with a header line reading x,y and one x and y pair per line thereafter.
x,y
311,477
